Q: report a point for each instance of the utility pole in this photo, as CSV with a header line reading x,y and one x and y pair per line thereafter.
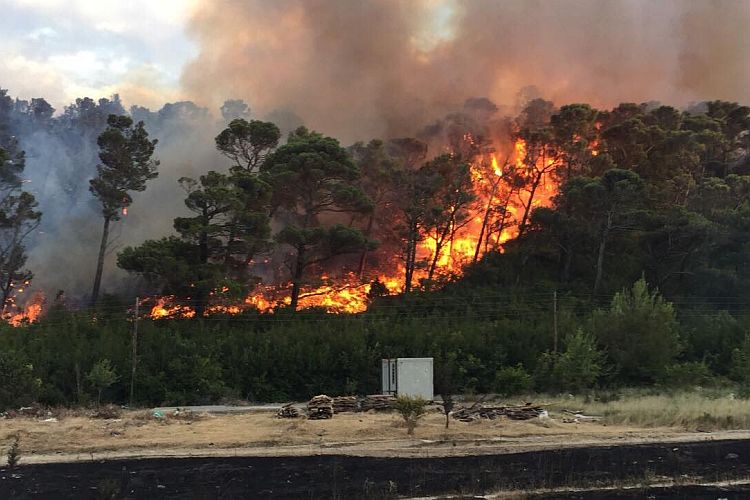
x,y
554,319
134,359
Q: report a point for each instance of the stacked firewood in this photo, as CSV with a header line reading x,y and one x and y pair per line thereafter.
x,y
345,404
378,402
479,411
320,407
288,411
526,412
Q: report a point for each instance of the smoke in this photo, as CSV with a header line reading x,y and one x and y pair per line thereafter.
x,y
62,157
357,69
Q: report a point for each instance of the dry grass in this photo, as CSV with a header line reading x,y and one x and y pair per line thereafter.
x,y
365,432
633,418
691,411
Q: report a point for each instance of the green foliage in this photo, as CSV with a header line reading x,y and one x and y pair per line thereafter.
x,y
18,218
411,409
247,143
313,175
579,366
102,376
512,380
686,375
639,332
18,385
125,153
126,165
740,370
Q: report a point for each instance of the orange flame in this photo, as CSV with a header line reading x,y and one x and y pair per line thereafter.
x,y
498,207
30,311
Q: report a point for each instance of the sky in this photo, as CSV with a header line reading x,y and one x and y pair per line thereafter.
x,y
63,49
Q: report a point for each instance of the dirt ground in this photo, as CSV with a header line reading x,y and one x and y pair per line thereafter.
x,y
138,434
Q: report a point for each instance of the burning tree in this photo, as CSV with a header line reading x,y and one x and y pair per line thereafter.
x,y
380,172
18,218
451,205
313,177
125,152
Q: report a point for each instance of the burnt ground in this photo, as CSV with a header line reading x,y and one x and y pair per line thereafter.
x,y
346,477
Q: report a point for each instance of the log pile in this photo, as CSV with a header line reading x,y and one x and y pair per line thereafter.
x,y
288,411
320,407
479,411
378,402
345,404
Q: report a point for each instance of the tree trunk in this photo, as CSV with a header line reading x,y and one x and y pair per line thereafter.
x,y
600,257
79,389
527,206
439,243
363,256
100,262
485,221
7,286
411,256
565,278
299,269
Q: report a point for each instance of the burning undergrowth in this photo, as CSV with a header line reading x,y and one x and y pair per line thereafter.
x,y
494,171
505,188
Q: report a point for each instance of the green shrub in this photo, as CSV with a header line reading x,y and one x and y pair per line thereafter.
x,y
18,385
411,410
682,375
512,380
639,332
101,376
579,367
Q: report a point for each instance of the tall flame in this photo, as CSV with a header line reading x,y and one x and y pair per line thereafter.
x,y
492,222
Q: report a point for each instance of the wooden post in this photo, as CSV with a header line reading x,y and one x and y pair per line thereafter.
x,y
554,319
134,359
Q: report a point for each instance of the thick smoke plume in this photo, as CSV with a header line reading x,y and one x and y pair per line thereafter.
x,y
358,69
383,68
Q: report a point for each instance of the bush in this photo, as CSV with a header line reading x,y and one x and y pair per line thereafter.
x,y
578,368
639,332
18,386
682,375
411,410
101,376
14,452
512,380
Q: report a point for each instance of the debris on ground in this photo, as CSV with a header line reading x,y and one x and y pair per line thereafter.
x,y
378,402
578,416
345,404
491,412
320,407
107,412
288,411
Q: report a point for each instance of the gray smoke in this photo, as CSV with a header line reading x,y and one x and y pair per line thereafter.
x,y
357,69
63,252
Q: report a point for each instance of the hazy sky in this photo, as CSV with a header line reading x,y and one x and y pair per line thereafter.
x,y
390,61
62,49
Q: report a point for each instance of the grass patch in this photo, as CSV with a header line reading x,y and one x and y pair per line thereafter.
x,y
689,410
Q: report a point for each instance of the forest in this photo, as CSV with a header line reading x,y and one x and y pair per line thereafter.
x,y
552,249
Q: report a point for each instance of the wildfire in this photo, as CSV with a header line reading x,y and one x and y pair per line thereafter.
x,y
29,313
493,220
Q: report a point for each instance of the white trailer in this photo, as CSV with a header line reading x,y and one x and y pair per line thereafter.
x,y
408,377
